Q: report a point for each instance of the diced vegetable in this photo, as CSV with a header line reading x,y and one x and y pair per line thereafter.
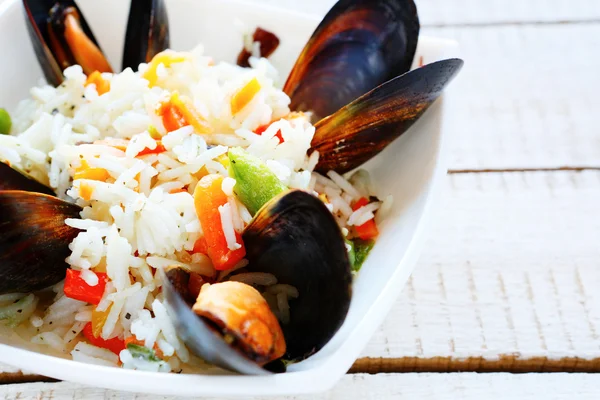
x,y
167,58
255,184
15,313
133,342
5,122
78,289
115,345
178,112
244,96
200,246
102,85
85,191
208,197
362,248
368,230
144,353
98,320
154,133
94,174
261,129
159,149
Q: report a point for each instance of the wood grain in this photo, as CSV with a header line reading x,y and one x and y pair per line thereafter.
x,y
510,270
466,386
526,97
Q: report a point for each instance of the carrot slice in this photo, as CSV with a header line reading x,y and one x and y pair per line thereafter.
x,y
208,197
102,85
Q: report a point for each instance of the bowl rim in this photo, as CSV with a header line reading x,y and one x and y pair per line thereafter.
x,y
322,376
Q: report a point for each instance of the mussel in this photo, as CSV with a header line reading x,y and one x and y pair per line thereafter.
x,y
358,46
34,240
11,179
362,129
295,238
61,37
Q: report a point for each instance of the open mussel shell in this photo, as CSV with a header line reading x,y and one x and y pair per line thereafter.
x,y
359,45
34,240
11,179
362,129
199,335
46,27
296,238
147,32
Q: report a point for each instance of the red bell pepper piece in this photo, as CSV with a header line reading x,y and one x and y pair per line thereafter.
x,y
159,149
368,230
261,129
78,289
115,345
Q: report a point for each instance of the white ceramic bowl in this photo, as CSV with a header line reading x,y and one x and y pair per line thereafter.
x,y
410,169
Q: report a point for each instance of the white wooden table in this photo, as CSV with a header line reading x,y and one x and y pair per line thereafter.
x,y
509,280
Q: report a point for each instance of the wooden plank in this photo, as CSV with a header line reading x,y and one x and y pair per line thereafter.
x,y
508,280
460,12
467,386
526,97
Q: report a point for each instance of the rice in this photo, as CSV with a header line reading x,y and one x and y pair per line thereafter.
x,y
136,193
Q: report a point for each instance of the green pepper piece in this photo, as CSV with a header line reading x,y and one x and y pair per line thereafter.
x,y
351,253
142,352
5,122
255,184
361,251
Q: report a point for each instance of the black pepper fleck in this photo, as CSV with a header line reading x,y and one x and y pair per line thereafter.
x,y
54,111
127,316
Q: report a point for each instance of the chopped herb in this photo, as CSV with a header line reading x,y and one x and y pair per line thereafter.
x,y
361,251
144,353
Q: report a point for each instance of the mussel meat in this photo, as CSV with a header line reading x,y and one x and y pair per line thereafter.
x,y
358,46
295,238
34,240
61,37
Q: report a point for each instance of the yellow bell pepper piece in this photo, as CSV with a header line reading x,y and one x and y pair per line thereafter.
x,y
167,58
189,113
98,320
94,174
244,96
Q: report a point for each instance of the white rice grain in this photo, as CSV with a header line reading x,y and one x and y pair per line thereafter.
x,y
228,228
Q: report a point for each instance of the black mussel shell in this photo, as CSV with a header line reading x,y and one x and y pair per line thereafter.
x,y
34,240
296,238
147,32
362,129
359,45
11,179
201,337
45,24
